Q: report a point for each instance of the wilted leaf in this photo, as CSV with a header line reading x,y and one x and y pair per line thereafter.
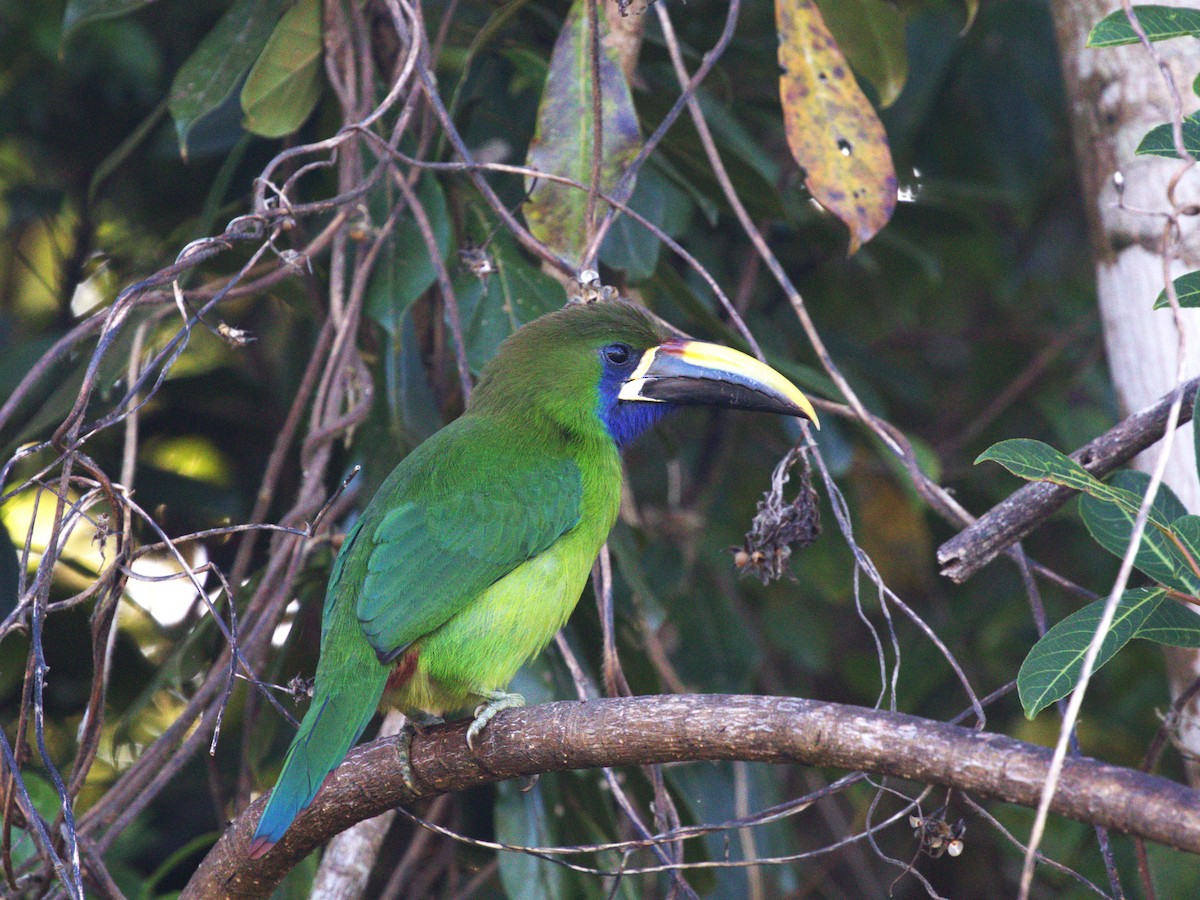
x,y
1052,668
1159,23
1159,141
871,35
562,143
1187,289
215,67
831,128
84,12
1111,524
285,82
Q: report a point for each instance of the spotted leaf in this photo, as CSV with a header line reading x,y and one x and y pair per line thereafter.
x,y
832,129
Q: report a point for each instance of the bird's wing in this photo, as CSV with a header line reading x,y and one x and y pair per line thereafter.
x,y
432,555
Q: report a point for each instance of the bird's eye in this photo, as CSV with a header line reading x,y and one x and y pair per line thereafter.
x,y
617,354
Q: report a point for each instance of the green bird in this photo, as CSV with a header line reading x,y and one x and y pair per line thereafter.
x,y
475,550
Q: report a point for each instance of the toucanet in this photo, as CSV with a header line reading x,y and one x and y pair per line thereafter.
x,y
475,550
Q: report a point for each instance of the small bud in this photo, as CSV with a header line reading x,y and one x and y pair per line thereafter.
x,y
235,337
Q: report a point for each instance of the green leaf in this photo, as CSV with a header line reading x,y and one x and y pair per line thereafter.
x,y
1111,524
1187,530
285,82
214,69
628,245
1035,461
1159,141
84,12
404,270
562,143
1159,23
1187,289
871,34
1173,624
516,293
1196,429
1052,668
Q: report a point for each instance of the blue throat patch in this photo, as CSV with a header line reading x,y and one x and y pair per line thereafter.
x,y
626,420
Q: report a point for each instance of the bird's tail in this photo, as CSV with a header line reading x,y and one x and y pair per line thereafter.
x,y
332,725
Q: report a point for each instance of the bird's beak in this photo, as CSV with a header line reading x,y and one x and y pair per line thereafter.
x,y
694,373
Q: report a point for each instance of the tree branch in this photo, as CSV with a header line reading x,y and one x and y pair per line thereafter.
x,y
643,730
1012,519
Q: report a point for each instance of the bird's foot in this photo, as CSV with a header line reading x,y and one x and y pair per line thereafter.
x,y
414,724
485,712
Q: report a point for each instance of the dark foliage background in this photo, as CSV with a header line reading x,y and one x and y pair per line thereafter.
x,y
969,319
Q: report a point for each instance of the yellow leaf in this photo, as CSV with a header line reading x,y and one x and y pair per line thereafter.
x,y
831,127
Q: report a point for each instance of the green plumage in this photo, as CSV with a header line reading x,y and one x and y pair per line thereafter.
x,y
475,549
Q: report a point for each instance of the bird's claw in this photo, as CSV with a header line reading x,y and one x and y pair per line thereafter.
x,y
414,724
404,754
495,702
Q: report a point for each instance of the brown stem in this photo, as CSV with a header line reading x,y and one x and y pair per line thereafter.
x,y
642,730
1012,519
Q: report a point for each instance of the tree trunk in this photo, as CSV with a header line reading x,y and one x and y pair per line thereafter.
x,y
1115,96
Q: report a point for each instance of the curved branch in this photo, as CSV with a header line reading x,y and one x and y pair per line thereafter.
x,y
1026,508
642,730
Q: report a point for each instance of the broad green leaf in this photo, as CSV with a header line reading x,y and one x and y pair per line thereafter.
x,y
628,245
1035,461
1187,289
491,310
1159,23
84,12
563,141
1111,524
832,130
404,270
871,34
285,82
1051,670
214,69
1196,429
1159,141
1187,530
1172,623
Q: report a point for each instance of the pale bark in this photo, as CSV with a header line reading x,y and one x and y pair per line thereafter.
x,y
1115,96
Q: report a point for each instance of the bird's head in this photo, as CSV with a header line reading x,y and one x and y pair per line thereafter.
x,y
614,362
